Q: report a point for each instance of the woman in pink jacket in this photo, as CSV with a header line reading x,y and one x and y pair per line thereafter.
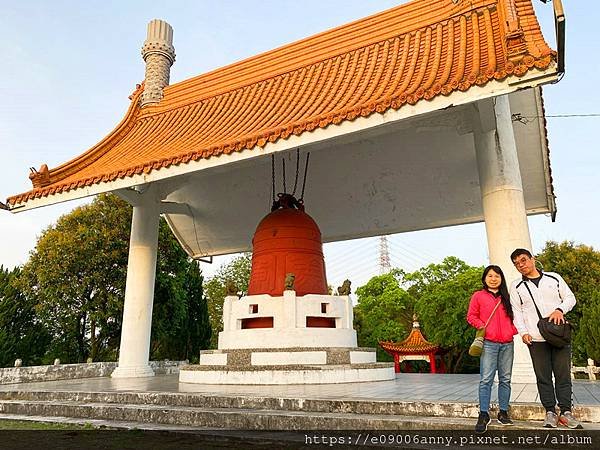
x,y
498,348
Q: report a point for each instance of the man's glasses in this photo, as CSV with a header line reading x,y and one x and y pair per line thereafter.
x,y
521,261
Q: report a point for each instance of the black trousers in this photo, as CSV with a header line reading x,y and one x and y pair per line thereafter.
x,y
548,360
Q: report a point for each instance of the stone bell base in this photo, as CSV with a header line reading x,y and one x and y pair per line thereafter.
x,y
300,365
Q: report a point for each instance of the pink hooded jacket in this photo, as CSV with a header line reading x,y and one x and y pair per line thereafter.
x,y
501,328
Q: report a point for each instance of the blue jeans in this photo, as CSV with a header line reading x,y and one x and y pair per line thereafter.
x,y
495,357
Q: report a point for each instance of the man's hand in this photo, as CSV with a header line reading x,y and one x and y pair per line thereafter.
x,y
557,317
527,339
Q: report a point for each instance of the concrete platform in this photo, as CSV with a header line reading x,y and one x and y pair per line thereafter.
x,y
299,365
288,374
411,401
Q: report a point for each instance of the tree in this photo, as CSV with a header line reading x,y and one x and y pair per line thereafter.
x,y
76,277
197,330
180,325
588,334
442,293
237,271
439,294
21,333
579,265
384,311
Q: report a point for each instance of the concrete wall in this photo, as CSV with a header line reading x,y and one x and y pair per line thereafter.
x,y
9,375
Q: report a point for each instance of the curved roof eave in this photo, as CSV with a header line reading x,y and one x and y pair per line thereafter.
x,y
310,86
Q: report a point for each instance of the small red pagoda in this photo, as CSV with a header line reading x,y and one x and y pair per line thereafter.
x,y
414,348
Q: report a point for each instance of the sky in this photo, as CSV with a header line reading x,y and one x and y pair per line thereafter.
x,y
67,68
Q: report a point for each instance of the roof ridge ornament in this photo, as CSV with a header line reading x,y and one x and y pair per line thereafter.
x,y
159,54
516,47
40,178
138,88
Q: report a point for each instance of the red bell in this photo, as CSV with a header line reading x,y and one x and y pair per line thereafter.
x,y
287,241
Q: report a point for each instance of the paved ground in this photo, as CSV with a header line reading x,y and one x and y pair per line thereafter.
x,y
406,387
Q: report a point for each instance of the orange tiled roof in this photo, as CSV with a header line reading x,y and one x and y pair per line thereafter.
x,y
414,344
405,55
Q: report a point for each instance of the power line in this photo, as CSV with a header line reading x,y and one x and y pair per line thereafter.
x,y
336,257
518,117
411,253
574,115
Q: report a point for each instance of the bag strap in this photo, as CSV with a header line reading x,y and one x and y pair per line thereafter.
x,y
492,314
532,299
557,285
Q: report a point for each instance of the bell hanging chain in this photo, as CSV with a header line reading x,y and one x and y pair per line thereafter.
x,y
297,170
301,199
284,197
283,175
273,177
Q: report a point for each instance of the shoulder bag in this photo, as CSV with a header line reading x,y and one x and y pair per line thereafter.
x,y
476,348
557,335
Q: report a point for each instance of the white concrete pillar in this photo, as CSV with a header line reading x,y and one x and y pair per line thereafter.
x,y
227,322
290,316
139,292
503,203
349,313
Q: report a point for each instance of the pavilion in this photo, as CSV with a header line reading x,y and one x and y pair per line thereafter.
x,y
410,116
414,348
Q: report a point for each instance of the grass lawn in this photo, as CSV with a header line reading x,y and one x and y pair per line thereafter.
x,y
31,425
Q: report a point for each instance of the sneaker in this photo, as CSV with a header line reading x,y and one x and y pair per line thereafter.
x,y
569,421
551,420
482,422
503,418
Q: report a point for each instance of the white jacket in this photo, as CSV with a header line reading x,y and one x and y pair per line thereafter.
x,y
551,293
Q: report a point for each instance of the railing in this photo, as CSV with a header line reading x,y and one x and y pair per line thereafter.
x,y
58,371
590,369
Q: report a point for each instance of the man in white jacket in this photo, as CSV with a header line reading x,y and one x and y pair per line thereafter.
x,y
554,299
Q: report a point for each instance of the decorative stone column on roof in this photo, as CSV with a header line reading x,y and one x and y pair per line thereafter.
x,y
159,54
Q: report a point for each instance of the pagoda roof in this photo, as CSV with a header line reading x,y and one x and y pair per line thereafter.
x,y
407,55
414,344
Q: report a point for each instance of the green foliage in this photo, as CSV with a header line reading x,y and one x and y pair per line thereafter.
x,y
439,294
197,330
169,311
384,312
180,325
21,333
76,276
579,265
442,293
237,271
589,330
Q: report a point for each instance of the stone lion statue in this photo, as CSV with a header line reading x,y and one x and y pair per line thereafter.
x,y
344,289
230,288
289,282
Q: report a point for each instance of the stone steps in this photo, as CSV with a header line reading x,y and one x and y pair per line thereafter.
x,y
226,418
519,411
203,411
420,408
